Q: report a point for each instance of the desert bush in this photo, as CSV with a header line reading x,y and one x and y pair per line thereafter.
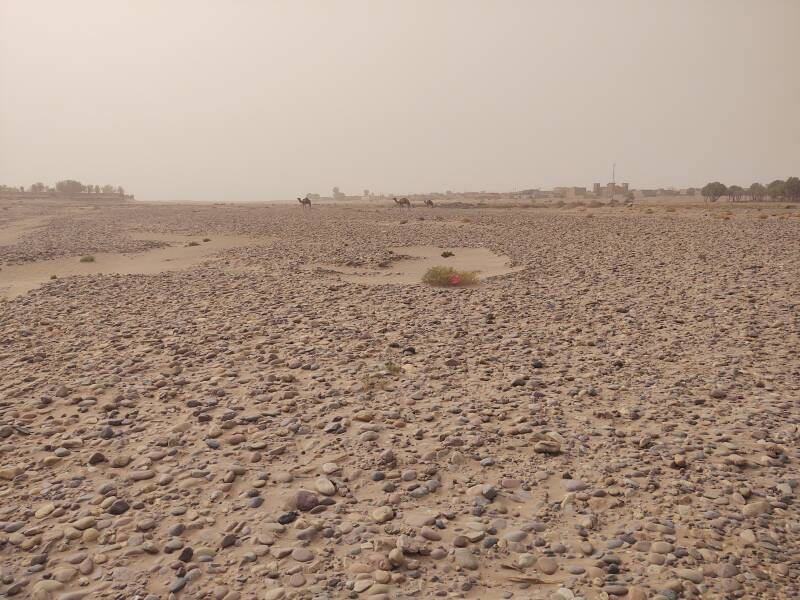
x,y
449,277
393,368
447,254
193,244
371,382
88,258
206,239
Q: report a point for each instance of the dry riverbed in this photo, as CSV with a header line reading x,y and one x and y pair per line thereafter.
x,y
285,412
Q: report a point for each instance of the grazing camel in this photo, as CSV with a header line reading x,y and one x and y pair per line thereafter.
x,y
306,202
403,202
429,202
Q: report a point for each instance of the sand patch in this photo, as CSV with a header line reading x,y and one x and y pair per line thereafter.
x,y
16,230
413,261
18,279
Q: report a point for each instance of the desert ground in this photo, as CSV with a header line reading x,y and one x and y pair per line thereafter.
x,y
263,401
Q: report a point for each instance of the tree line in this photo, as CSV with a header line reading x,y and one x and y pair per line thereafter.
x,y
66,186
777,190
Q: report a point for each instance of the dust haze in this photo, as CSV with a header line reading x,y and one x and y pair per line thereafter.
x,y
390,300
268,100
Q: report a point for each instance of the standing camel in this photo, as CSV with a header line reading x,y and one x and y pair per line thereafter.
x,y
305,202
403,202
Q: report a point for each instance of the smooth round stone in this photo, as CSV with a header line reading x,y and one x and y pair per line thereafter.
x,y
145,524
382,514
636,593
615,590
575,570
302,554
362,585
515,535
84,523
547,565
330,468
324,486
573,485
305,500
690,575
45,510
525,560
661,547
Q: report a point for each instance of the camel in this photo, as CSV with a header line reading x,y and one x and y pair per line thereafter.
x,y
429,202
306,202
403,202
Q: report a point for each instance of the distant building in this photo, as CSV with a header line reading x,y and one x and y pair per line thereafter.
x,y
610,189
570,192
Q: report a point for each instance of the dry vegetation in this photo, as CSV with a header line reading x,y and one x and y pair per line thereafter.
x,y
449,277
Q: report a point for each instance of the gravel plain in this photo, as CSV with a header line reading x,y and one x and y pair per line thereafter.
x,y
617,417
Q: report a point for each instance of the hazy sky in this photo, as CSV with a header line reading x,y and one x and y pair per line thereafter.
x,y
256,100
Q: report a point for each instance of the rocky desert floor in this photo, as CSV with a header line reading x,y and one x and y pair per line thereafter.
x,y
261,401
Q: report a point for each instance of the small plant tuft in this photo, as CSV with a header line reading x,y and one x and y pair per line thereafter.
x,y
371,382
193,244
87,259
447,254
393,368
449,277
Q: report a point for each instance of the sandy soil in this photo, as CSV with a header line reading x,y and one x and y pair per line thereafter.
x,y
411,262
180,254
614,415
